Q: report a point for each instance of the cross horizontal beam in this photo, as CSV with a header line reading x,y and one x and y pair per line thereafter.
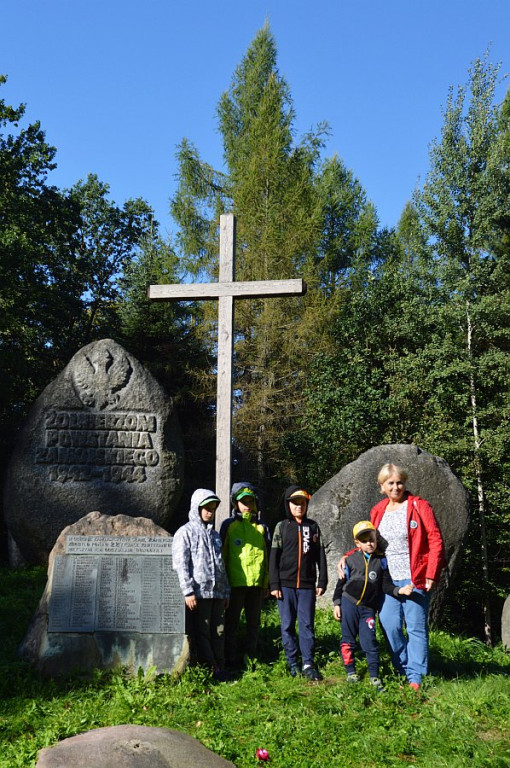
x,y
251,289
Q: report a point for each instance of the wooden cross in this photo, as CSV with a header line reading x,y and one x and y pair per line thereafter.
x,y
226,290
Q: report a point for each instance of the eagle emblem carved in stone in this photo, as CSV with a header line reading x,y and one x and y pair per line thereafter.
x,y
100,378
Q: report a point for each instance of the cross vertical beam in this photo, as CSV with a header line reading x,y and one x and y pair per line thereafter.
x,y
226,290
224,375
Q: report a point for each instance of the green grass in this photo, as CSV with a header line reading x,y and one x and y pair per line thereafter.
x,y
460,717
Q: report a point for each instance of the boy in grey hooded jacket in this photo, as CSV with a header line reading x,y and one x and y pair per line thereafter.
x,y
196,557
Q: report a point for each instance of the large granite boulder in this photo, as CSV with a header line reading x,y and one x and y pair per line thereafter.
x,y
60,653
350,495
130,746
102,436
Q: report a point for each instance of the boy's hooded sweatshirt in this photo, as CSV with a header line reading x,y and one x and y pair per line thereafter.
x,y
297,552
196,555
246,545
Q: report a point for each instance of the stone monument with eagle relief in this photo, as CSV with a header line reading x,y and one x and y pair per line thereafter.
x,y
102,436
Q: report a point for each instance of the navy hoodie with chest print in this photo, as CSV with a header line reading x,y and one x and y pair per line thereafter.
x,y
298,557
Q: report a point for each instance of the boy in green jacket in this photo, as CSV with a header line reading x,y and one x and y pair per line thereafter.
x,y
245,547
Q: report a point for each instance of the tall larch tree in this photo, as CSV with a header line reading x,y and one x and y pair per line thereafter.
x,y
269,183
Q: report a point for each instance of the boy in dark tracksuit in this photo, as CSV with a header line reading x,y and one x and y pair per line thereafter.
x,y
358,597
297,552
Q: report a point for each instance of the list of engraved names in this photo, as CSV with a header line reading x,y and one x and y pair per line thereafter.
x,y
116,583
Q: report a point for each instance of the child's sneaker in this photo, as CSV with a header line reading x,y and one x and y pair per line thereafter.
x,y
294,670
352,677
377,684
312,674
414,686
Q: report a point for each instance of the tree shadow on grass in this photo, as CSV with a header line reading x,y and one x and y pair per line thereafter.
x,y
466,657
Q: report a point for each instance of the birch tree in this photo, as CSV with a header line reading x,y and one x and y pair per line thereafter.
x,y
460,206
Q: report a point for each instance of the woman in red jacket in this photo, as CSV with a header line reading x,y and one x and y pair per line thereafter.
x,y
415,554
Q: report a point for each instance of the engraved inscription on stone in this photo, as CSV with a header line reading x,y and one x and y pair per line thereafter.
x,y
116,584
61,593
112,447
106,593
84,587
116,545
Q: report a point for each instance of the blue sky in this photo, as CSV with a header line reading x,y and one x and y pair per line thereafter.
x,y
116,85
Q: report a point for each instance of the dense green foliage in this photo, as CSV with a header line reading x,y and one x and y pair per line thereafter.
x,y
423,340
459,717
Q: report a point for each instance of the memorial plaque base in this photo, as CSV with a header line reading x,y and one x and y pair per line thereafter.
x,y
65,653
132,592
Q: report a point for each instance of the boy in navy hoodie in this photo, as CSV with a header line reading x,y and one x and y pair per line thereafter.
x,y
358,597
297,553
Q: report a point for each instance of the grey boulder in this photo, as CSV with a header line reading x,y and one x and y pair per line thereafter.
x,y
56,654
130,746
102,436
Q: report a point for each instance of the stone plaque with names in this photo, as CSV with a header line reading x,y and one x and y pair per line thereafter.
x,y
116,584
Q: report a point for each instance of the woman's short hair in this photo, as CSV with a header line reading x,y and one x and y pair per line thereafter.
x,y
387,470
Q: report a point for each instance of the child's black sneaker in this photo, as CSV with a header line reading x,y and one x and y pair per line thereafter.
x,y
311,674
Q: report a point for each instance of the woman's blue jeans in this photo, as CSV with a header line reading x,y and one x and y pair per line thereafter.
x,y
409,656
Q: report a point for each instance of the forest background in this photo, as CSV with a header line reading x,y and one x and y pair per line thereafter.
x,y
403,335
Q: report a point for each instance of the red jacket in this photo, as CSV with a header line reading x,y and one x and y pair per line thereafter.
x,y
426,550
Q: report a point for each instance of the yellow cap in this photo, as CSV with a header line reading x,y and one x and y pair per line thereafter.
x,y
364,526
299,494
